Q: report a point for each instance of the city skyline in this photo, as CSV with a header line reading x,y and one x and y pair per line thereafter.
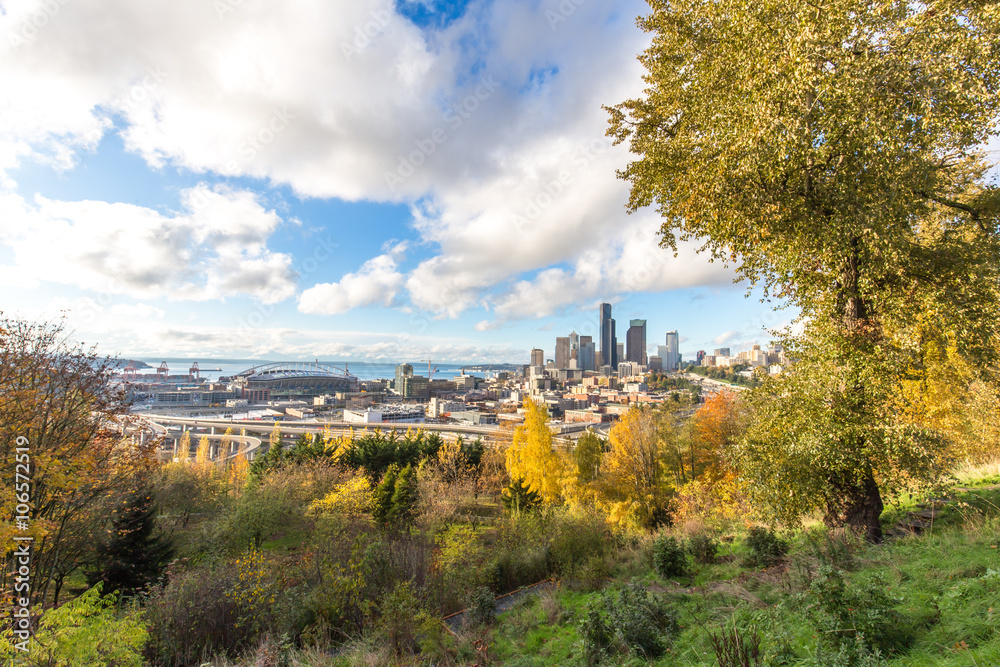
x,y
178,189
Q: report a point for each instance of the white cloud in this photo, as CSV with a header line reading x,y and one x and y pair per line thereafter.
x,y
216,248
492,128
377,282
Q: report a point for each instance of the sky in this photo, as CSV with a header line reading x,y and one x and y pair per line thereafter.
x,y
355,180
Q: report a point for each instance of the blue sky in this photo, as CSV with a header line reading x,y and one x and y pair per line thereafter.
x,y
344,180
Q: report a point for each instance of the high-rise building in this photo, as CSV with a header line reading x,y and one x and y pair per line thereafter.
x,y
574,342
721,352
537,357
673,357
586,355
636,342
607,335
698,358
562,352
619,353
402,371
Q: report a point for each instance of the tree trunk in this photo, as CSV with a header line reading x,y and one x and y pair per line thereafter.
x,y
857,504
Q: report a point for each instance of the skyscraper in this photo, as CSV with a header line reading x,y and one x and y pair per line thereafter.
x,y
586,355
635,341
537,357
672,360
562,352
402,371
607,334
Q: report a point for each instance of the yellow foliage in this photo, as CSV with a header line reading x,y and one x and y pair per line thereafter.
x,y
204,451
634,490
351,499
530,456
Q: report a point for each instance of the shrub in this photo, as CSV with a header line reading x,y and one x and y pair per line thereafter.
x,y
766,548
669,557
576,539
636,622
854,622
482,607
703,548
88,631
399,617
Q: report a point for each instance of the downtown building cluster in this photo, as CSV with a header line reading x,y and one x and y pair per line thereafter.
x,y
576,354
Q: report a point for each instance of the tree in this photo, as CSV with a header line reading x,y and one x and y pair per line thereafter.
x,y
56,401
404,498
135,555
830,150
633,470
530,456
587,456
518,497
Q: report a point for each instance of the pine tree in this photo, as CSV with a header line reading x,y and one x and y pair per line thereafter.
x,y
382,498
135,555
404,498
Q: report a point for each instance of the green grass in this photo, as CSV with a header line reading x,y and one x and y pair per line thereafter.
x,y
945,581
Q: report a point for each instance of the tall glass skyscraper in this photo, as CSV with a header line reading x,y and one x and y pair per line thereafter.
x,y
672,359
609,343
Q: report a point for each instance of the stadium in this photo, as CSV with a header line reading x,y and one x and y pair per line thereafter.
x,y
291,381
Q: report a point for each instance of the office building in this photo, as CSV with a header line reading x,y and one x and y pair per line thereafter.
x,y
673,357
562,352
619,353
608,340
586,356
402,371
537,357
636,342
721,352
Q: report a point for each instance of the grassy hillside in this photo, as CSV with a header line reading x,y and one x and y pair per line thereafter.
x,y
930,597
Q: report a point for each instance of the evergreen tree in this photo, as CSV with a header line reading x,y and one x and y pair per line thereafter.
x,y
404,498
519,497
135,555
382,498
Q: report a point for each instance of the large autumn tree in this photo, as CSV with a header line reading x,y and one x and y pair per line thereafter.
x,y
830,149
57,401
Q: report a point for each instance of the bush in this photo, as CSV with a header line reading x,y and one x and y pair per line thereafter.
x,y
855,622
766,548
88,631
703,548
669,557
637,622
576,539
482,608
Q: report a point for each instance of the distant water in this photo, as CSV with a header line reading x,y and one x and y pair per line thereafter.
x,y
362,370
